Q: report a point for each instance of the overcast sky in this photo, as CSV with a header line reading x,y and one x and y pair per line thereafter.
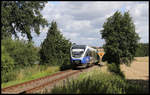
x,y
81,21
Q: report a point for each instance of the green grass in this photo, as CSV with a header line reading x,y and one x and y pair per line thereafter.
x,y
30,73
97,82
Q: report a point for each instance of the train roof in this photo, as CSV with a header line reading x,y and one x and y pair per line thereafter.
x,y
83,46
79,46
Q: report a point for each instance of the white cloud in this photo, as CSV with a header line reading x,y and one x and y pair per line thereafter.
x,y
139,12
81,21
71,35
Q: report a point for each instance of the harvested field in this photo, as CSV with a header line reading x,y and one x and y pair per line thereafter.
x,y
138,72
139,69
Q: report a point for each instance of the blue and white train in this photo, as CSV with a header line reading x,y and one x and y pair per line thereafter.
x,y
83,56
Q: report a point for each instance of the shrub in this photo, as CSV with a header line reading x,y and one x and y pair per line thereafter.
x,y
28,73
23,53
16,54
115,68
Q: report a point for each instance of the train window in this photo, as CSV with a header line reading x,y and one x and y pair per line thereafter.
x,y
77,53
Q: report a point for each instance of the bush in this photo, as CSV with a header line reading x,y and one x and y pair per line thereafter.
x,y
8,76
115,68
28,73
7,65
23,53
16,54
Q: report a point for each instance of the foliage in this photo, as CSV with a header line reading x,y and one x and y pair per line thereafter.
x,y
23,53
142,50
120,37
29,73
21,17
7,65
55,48
114,68
98,83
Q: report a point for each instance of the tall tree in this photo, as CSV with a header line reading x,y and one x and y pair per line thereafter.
x,y
131,38
121,39
55,48
21,17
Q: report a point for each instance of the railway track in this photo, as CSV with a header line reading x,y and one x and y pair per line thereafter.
x,y
40,84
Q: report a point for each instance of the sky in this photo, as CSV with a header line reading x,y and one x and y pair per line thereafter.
x,y
81,22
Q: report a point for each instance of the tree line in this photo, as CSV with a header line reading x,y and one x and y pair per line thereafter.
x,y
142,50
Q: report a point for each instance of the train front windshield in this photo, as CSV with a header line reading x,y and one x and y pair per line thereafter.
x,y
77,51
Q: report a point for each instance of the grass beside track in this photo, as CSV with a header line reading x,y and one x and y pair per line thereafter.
x,y
30,73
100,80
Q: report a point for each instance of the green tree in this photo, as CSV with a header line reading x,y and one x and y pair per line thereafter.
x,y
21,17
7,63
23,53
55,48
121,39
